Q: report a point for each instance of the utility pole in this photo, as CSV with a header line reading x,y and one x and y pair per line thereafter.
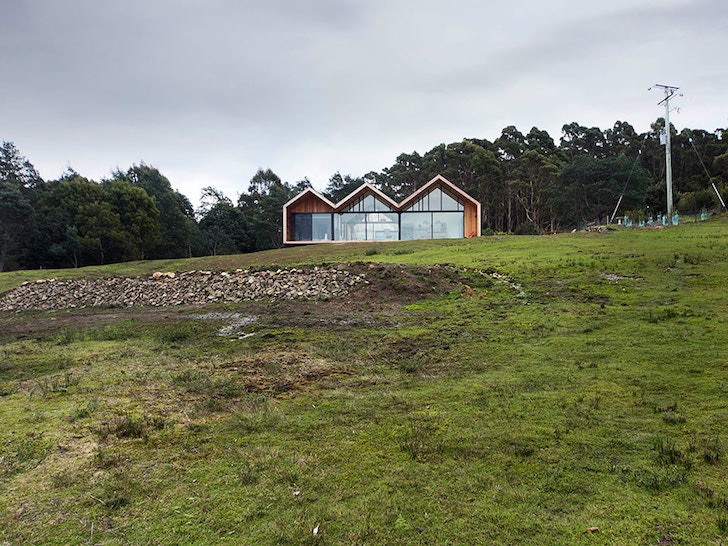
x,y
669,92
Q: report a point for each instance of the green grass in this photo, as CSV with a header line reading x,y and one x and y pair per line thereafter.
x,y
587,389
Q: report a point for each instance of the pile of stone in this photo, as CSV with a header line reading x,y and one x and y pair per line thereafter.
x,y
189,288
597,229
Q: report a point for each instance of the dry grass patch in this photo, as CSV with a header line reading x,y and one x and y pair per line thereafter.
x,y
276,372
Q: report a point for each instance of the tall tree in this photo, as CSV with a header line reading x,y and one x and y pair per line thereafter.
x,y
537,175
579,140
16,225
138,214
16,169
177,225
223,226
18,178
341,186
622,139
262,209
404,177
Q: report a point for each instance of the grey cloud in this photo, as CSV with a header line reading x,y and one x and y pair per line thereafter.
x,y
326,85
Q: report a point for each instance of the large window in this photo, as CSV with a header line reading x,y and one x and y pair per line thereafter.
x,y
436,200
382,226
350,226
312,227
415,225
369,226
447,225
368,203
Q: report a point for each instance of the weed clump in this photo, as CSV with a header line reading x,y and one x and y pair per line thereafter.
x,y
419,439
668,453
132,426
713,451
256,415
673,418
660,479
84,411
248,474
55,384
214,390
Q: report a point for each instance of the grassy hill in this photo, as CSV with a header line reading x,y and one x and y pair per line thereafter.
x,y
569,389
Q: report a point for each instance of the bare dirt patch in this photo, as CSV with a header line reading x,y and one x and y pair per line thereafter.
x,y
283,372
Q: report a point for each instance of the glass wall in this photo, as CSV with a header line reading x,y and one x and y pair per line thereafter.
x,y
431,225
436,200
415,225
382,226
436,215
447,225
321,227
369,226
350,226
368,203
301,227
312,226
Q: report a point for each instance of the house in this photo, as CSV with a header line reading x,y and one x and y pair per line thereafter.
x,y
438,210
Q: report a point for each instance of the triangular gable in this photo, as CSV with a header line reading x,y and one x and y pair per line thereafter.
x,y
439,179
361,190
306,192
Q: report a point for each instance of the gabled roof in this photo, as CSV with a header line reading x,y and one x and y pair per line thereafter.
x,y
367,187
439,179
304,193
361,190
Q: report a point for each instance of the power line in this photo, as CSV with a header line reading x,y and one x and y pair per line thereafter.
x,y
706,171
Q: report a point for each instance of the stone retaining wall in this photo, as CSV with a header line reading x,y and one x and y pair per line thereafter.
x,y
189,288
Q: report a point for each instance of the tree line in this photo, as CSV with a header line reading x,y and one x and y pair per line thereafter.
x,y
526,184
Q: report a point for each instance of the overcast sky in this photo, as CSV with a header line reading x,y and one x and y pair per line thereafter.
x,y
208,91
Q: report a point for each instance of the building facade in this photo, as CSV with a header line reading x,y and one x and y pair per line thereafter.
x,y
438,210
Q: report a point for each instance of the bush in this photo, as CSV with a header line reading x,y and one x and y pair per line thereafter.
x,y
527,228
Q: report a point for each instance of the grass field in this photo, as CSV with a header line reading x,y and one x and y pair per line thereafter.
x,y
572,390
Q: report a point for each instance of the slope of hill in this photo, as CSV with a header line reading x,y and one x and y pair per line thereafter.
x,y
522,390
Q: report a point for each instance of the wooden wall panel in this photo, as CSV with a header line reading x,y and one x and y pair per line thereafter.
x,y
471,220
309,203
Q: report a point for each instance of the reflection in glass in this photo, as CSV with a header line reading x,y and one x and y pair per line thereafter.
x,y
321,227
382,226
350,227
312,227
447,225
415,225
